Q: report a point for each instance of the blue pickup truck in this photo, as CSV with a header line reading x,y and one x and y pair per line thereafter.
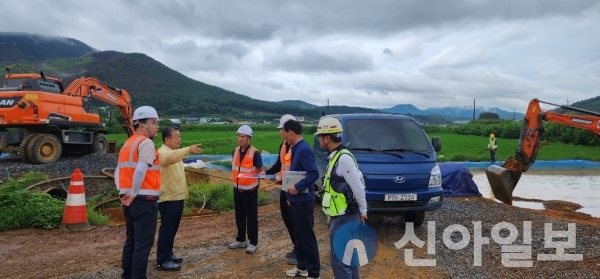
x,y
397,160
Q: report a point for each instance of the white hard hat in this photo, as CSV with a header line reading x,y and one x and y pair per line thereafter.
x,y
245,130
284,119
144,112
329,125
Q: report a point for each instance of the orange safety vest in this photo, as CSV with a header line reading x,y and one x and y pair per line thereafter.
x,y
246,166
285,157
128,160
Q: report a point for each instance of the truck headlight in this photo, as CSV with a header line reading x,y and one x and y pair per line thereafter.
x,y
435,180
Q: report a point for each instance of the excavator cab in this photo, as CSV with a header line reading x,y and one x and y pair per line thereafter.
x,y
503,179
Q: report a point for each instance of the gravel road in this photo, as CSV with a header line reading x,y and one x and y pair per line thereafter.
x,y
202,242
11,166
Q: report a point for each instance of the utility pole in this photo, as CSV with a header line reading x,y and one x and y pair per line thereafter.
x,y
514,114
473,109
327,105
567,101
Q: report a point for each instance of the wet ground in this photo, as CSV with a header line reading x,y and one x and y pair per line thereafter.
x,y
581,187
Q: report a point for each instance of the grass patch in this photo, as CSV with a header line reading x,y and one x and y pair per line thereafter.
x,y
21,208
458,148
219,196
222,143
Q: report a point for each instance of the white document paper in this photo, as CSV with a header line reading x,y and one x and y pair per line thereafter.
x,y
259,176
290,178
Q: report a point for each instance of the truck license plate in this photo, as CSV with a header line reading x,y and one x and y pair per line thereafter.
x,y
400,197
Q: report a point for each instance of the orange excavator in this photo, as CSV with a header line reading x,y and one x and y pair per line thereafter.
x,y
504,179
40,119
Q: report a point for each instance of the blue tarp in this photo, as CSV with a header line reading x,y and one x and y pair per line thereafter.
x,y
268,160
457,181
538,165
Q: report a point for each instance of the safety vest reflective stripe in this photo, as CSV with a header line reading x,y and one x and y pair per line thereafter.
x,y
128,161
245,167
134,165
334,203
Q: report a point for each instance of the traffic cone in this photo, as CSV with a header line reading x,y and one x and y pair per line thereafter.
x,y
75,215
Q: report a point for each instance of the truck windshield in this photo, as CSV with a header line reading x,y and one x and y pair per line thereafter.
x,y
395,135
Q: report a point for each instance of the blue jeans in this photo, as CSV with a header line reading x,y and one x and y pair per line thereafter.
x,y
140,226
340,269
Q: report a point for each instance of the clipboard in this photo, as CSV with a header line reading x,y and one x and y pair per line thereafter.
x,y
290,178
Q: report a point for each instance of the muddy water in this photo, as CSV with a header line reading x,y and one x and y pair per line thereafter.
x,y
575,186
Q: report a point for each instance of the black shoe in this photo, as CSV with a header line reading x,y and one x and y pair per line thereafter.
x,y
176,259
290,254
169,266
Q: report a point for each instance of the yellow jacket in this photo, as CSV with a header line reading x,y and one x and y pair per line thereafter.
x,y
173,186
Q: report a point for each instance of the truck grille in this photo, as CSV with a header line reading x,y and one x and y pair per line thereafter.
x,y
396,204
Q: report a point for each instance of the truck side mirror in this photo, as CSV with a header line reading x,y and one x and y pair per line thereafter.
x,y
437,144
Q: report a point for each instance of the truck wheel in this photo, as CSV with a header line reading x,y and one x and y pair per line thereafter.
x,y
23,147
44,149
100,144
417,217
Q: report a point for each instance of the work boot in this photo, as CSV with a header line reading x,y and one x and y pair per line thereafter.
x,y
296,272
176,259
237,244
292,261
290,254
291,258
169,266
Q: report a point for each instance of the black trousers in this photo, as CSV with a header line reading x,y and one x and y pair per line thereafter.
x,y
170,216
246,213
140,226
493,155
307,249
286,215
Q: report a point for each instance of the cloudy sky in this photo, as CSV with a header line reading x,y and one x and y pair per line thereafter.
x,y
375,53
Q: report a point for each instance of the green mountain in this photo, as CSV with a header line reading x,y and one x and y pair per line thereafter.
x,y
148,81
39,48
297,103
592,104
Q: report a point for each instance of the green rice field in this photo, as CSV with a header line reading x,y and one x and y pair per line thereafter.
x,y
454,147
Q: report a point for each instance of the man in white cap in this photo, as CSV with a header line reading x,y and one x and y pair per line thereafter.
x,y
283,163
245,159
137,177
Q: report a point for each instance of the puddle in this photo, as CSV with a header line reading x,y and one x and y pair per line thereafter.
x,y
574,186
528,204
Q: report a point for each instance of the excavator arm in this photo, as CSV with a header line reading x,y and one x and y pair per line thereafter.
x,y
90,87
504,179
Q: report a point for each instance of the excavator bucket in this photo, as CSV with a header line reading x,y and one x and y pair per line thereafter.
x,y
503,181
